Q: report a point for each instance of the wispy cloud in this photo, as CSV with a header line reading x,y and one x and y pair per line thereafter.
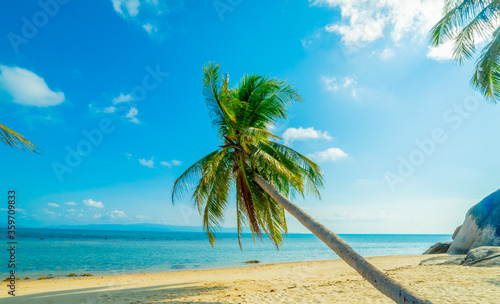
x,y
331,154
131,115
126,7
147,163
53,205
122,98
171,163
109,110
117,214
366,20
70,203
386,54
27,88
145,13
347,82
295,134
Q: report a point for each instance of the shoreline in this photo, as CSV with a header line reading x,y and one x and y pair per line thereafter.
x,y
305,282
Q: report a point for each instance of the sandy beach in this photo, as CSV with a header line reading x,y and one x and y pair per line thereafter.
x,y
300,282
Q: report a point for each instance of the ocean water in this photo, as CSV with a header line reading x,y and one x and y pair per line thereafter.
x,y
58,252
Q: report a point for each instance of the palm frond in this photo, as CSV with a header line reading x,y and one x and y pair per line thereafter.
x,y
486,78
480,26
217,98
183,182
456,15
243,115
15,140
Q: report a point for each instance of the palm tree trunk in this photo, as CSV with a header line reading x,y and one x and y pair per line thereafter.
x,y
377,278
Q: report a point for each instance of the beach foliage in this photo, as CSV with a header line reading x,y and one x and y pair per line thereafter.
x,y
467,24
15,140
243,116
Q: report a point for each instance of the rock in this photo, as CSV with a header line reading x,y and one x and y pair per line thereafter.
x,y
486,256
444,259
438,248
87,275
252,262
72,275
481,226
456,232
45,278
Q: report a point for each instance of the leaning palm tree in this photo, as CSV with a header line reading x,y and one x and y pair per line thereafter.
x,y
467,23
262,172
15,140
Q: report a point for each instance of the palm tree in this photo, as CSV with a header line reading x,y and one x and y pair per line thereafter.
x,y
263,172
16,140
467,23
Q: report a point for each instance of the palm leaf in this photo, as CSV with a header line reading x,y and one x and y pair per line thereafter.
x,y
16,140
487,75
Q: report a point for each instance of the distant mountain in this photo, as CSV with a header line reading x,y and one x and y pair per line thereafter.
x,y
138,227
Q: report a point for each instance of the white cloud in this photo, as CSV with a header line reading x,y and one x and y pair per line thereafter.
x,y
53,205
128,155
347,82
147,163
332,154
109,110
72,211
442,52
70,203
122,98
27,88
96,216
364,21
91,203
117,214
171,163
142,217
131,115
292,134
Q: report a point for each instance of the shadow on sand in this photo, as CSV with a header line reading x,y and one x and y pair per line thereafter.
x,y
150,294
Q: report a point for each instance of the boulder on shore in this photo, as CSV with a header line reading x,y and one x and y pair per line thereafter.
x,y
481,226
438,248
456,232
486,256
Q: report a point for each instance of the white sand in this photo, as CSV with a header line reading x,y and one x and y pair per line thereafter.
x,y
301,282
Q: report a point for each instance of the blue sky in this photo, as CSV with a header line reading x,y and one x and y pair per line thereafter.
x,y
406,145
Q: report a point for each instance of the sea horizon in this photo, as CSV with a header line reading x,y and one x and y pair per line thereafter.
x,y
49,252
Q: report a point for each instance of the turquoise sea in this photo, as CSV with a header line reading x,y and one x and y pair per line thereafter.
x,y
58,252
